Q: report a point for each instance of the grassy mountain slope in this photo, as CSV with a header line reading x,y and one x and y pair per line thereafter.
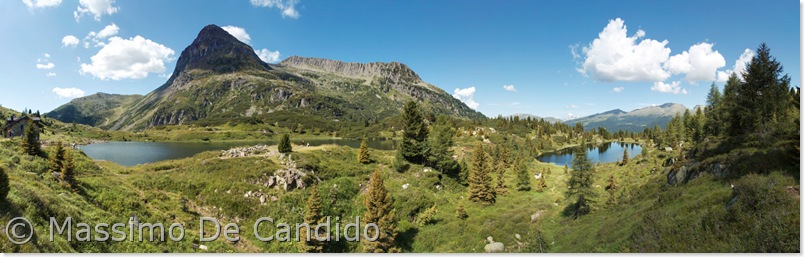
x,y
95,110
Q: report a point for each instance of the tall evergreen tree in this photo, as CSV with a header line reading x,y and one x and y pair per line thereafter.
x,y
380,211
57,158
68,171
284,144
625,156
522,176
501,189
480,189
313,217
580,191
440,141
30,143
363,156
761,102
714,121
414,136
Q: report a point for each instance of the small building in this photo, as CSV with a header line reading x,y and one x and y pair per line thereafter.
x,y
15,126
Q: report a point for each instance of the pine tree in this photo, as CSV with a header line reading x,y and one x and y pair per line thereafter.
x,y
312,216
480,189
57,158
414,135
625,156
363,155
523,178
30,143
4,185
380,211
580,184
284,144
68,170
460,212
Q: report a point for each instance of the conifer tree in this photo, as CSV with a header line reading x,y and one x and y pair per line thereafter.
x,y
57,158
312,216
414,136
439,143
5,186
363,156
580,184
625,156
566,168
68,170
480,189
501,188
463,175
427,216
30,142
460,212
380,211
284,144
522,176
611,188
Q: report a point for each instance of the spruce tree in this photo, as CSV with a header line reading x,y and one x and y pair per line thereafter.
x,y
714,120
611,188
68,170
501,188
439,143
284,144
312,217
380,211
625,156
5,186
580,184
523,178
460,212
57,158
414,136
480,189
463,175
30,142
363,156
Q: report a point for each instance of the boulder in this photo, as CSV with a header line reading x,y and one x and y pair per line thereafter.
x,y
495,247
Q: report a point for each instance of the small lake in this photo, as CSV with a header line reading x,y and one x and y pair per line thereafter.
x,y
608,152
133,153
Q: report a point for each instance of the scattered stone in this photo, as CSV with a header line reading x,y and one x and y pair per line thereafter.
x,y
518,237
494,247
262,200
203,247
405,186
535,216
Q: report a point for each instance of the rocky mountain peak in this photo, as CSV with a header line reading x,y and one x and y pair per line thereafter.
x,y
393,70
216,50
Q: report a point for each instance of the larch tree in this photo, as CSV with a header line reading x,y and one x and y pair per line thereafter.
x,y
380,211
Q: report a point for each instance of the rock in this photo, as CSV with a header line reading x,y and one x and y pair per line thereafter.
x,y
490,239
518,237
677,177
535,216
668,149
203,247
405,186
262,199
538,176
494,247
274,198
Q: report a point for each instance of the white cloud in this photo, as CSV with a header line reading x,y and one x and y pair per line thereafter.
x,y
51,74
96,8
699,64
131,58
69,40
674,87
267,55
572,106
618,89
614,56
69,92
467,96
97,37
288,7
41,3
238,33
44,63
739,66
574,51
509,88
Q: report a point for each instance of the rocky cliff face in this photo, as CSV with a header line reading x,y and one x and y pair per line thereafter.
x,y
395,71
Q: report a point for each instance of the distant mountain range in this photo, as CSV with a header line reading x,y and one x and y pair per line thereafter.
x,y
636,120
525,116
219,79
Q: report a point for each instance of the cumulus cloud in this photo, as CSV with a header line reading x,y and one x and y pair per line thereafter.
x,y
69,92
467,96
44,63
509,88
95,8
69,40
674,87
739,66
700,63
287,7
99,36
131,58
238,33
614,56
50,74
267,55
41,3
618,89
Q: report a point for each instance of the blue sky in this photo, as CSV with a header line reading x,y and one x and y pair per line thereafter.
x,y
562,58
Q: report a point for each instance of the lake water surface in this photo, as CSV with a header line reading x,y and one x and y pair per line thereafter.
x,y
133,153
608,152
